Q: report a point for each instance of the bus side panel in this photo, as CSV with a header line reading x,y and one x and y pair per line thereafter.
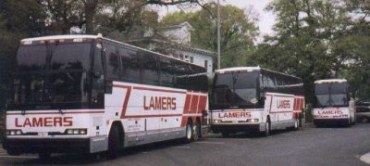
x,y
152,114
281,110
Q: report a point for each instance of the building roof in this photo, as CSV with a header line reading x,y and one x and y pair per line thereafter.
x,y
180,25
177,46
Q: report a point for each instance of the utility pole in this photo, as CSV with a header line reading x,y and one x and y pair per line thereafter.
x,y
218,36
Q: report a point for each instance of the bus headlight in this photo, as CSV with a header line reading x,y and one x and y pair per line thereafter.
x,y
255,120
215,121
14,132
76,132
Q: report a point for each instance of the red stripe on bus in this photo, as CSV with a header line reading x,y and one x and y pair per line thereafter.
x,y
184,120
159,90
194,104
187,103
202,104
295,107
48,113
125,100
270,103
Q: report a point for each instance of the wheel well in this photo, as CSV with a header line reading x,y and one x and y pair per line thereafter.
x,y
198,120
268,118
121,130
190,120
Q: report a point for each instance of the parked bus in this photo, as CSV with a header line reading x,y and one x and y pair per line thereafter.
x,y
247,99
89,94
334,104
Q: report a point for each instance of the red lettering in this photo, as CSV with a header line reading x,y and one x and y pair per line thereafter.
x,y
158,103
45,122
234,115
173,103
58,121
67,121
37,122
283,104
48,122
27,122
164,104
145,107
16,123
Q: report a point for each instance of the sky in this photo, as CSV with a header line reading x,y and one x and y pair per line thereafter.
x,y
265,19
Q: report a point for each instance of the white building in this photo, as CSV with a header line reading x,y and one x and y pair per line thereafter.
x,y
175,40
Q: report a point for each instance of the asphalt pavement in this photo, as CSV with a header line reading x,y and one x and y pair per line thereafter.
x,y
308,146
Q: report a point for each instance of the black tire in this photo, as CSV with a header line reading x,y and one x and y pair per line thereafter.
x,y
296,124
44,156
267,131
114,144
364,120
196,131
189,132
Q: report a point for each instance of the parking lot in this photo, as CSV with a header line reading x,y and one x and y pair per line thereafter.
x,y
308,146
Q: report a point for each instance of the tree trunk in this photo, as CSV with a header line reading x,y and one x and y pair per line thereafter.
x,y
90,10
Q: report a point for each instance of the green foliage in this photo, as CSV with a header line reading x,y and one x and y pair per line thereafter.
x,y
238,32
317,39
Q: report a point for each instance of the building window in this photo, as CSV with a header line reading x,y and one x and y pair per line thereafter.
x,y
191,59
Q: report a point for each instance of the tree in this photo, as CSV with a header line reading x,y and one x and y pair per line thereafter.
x,y
311,40
238,31
122,19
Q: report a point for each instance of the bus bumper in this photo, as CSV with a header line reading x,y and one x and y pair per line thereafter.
x,y
16,146
235,128
331,121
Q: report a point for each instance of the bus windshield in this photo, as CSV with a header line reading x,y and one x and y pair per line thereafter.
x,y
331,94
235,90
51,74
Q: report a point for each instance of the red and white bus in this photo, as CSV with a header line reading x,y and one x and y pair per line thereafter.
x,y
89,94
247,99
334,104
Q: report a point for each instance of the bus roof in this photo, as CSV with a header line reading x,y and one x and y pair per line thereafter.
x,y
99,36
58,37
335,80
252,68
248,69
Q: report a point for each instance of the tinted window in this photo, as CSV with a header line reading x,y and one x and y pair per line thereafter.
x,y
70,56
130,64
113,61
150,74
166,72
31,57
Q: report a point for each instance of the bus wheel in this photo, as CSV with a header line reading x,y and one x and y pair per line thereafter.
x,y
196,131
364,120
296,124
189,132
113,142
267,131
44,156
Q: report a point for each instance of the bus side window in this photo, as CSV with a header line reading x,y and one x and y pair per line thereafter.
x,y
166,72
149,72
113,62
130,64
97,93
